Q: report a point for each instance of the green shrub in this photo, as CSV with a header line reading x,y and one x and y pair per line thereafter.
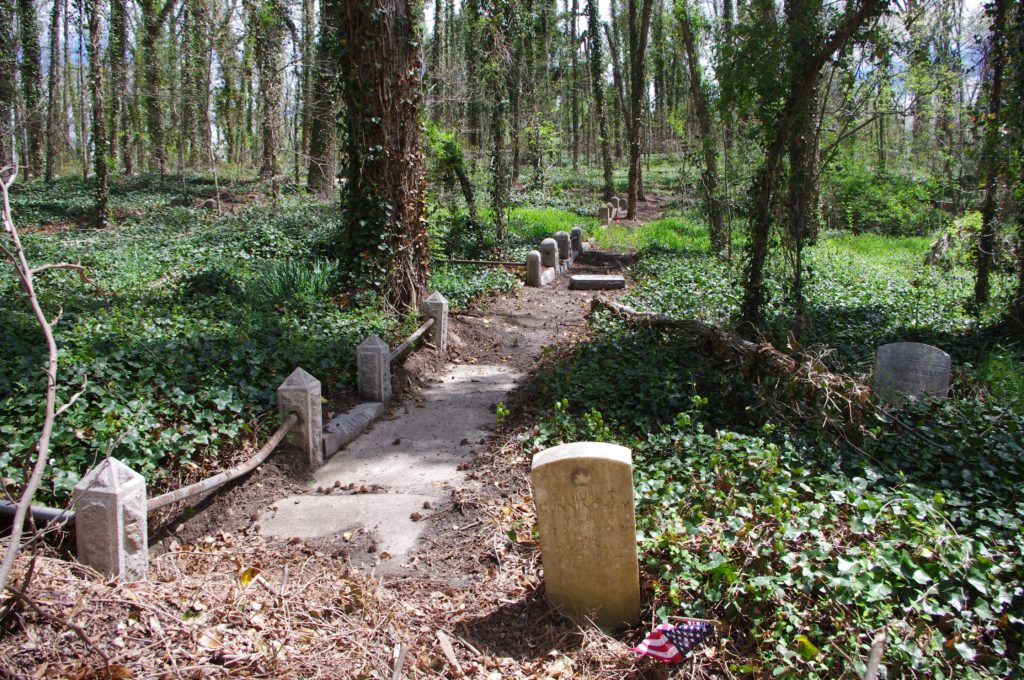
x,y
860,199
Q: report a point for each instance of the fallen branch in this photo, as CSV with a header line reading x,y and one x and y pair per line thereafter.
x,y
875,656
836,396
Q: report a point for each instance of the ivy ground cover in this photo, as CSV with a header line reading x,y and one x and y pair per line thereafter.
x,y
810,548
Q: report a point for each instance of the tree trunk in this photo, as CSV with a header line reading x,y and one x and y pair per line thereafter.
x,y
7,91
32,87
597,83
992,154
99,136
323,135
53,96
384,233
153,18
804,32
1015,108
269,29
766,179
118,71
574,94
708,140
639,29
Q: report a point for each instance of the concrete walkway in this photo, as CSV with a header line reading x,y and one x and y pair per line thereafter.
x,y
404,462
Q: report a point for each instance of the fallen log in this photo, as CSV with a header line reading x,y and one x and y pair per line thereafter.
x,y
805,389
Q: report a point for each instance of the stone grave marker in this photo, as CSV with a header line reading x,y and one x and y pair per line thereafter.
x,y
584,498
911,368
373,369
549,252
534,269
604,213
564,245
576,240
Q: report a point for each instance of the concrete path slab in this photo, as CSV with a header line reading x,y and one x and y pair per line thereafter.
x,y
407,460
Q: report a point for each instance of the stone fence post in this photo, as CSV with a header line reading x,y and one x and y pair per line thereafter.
x,y
436,307
110,521
300,394
373,366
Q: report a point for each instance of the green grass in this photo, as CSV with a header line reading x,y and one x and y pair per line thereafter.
x,y
666,234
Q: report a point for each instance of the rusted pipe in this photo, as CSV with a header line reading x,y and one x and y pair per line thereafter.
x,y
492,263
232,474
397,352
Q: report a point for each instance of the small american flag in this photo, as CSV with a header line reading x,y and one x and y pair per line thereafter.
x,y
669,643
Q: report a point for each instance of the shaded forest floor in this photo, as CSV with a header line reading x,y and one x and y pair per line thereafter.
x,y
223,600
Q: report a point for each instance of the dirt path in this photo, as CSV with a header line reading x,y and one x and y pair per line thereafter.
x,y
377,498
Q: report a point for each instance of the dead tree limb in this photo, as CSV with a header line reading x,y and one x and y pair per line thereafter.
x,y
15,254
839,402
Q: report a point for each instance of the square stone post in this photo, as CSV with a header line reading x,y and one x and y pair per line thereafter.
x,y
110,521
436,307
300,394
533,269
373,362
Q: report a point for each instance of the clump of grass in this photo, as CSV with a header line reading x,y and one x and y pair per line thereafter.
x,y
1002,372
299,282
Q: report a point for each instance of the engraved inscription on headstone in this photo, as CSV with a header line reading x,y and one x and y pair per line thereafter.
x,y
911,368
584,497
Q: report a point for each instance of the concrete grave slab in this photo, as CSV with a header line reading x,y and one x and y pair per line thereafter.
x,y
345,427
596,282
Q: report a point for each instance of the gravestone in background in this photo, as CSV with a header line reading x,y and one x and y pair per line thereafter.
x,y
584,497
911,368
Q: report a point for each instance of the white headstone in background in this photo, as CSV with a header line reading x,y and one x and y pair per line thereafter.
x,y
911,368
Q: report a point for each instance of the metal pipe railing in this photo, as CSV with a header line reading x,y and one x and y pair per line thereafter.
x,y
40,514
398,351
228,475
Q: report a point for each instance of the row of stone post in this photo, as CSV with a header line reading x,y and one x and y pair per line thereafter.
x,y
110,501
553,257
616,209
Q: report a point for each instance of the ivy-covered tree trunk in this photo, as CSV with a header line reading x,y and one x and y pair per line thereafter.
x,y
118,50
32,86
7,92
323,104
708,140
803,24
992,152
153,17
385,233
766,180
99,134
639,29
269,21
598,87
53,96
1015,116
